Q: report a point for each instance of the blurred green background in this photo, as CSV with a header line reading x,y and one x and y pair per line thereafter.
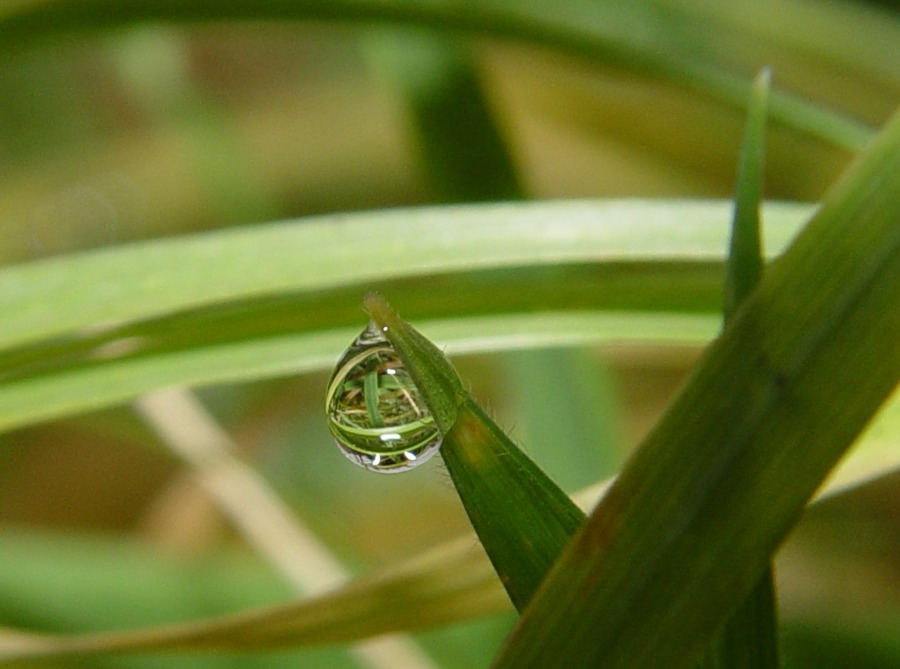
x,y
159,129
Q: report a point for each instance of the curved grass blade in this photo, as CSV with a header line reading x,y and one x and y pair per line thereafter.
x,y
448,584
696,514
141,281
599,32
145,316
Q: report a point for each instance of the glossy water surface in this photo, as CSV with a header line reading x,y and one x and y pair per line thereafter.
x,y
376,414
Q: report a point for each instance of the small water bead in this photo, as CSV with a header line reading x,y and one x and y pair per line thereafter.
x,y
376,414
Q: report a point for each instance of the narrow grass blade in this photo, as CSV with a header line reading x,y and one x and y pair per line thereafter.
x,y
522,518
749,639
695,516
744,263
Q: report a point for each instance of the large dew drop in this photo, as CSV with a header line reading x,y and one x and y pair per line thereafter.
x,y
375,412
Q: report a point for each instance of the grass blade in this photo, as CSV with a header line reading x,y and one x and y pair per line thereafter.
x,y
744,263
695,516
522,518
431,371
39,300
599,32
749,638
643,269
443,586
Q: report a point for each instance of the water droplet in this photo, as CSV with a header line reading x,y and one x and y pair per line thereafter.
x,y
375,412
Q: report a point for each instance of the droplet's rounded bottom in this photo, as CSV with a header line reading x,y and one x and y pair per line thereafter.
x,y
389,463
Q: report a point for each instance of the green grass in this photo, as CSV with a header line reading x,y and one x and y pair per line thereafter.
x,y
198,197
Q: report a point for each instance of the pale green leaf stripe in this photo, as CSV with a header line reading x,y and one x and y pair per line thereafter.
x,y
54,396
112,286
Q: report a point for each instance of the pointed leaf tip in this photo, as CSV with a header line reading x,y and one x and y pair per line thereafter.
x,y
430,370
